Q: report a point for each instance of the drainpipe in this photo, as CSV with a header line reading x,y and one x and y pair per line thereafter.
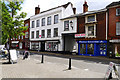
x,y
106,24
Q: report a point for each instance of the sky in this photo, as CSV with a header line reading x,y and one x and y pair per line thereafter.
x,y
28,6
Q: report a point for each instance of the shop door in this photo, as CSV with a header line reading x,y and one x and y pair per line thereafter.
x,y
42,46
103,49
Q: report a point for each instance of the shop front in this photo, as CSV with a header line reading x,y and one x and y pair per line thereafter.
x,y
92,48
52,45
114,47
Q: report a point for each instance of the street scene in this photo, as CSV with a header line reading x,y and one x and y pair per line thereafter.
x,y
60,39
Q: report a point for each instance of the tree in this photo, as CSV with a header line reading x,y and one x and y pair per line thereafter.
x,y
12,22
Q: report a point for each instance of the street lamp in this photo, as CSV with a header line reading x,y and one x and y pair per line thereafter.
x,y
71,24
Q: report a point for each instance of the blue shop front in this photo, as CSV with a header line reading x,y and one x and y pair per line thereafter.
x,y
92,48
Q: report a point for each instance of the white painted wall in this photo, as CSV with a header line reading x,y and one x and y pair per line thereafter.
x,y
62,12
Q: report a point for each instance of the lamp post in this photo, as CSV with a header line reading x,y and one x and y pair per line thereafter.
x,y
71,24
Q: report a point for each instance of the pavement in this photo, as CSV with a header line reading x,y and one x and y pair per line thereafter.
x,y
33,68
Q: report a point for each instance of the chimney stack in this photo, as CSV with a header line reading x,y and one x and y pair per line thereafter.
x,y
85,7
37,10
74,10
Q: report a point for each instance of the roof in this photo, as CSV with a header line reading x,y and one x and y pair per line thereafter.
x,y
86,13
65,6
113,4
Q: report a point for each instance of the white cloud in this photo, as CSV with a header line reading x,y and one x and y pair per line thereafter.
x,y
29,5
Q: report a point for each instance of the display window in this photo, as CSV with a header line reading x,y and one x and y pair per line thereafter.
x,y
90,49
83,48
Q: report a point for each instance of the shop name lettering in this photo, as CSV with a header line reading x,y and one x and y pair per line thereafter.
x,y
92,41
79,35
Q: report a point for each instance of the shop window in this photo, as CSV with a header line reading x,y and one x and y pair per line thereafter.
x,y
55,32
49,20
35,45
43,34
90,49
66,25
55,19
48,33
52,46
33,24
118,11
83,48
37,34
37,23
118,28
32,34
43,21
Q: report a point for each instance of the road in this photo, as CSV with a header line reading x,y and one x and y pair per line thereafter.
x,y
54,67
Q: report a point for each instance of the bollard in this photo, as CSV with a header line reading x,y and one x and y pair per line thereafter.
x,y
69,64
42,58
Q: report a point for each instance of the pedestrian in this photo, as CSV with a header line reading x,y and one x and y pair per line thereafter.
x,y
26,55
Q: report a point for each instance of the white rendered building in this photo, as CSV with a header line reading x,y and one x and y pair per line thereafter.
x,y
46,28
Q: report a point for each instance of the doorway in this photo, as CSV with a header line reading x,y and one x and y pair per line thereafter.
x,y
42,46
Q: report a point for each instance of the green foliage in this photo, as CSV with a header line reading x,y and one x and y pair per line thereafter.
x,y
12,23
117,55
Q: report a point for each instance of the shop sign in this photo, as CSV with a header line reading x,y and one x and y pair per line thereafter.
x,y
79,35
112,66
95,41
15,41
40,36
115,41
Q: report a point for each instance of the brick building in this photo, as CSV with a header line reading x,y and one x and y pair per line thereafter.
x,y
91,32
113,16
22,42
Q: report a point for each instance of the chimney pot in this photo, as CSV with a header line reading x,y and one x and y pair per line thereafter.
x,y
85,7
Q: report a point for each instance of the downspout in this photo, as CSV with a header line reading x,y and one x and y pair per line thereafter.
x,y
106,25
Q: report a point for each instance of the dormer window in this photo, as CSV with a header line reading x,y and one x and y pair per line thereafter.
x,y
118,11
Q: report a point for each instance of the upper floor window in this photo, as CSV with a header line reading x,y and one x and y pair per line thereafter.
x,y
37,23
26,24
32,34
49,20
26,34
48,33
118,11
90,18
43,21
43,34
66,25
90,31
55,32
33,24
118,28
55,19
37,34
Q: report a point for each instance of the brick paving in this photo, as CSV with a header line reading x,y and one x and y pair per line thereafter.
x,y
32,68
